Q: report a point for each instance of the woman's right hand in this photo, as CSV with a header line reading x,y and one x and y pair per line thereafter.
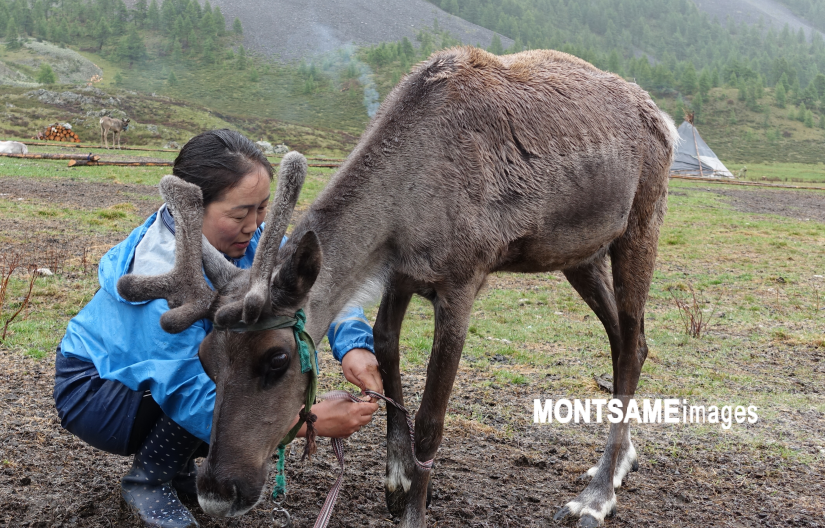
x,y
340,418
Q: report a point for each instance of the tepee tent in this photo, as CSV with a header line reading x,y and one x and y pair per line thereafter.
x,y
694,157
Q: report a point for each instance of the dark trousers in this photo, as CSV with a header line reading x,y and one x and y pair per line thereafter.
x,y
105,414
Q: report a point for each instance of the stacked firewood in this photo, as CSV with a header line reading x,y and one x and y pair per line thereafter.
x,y
58,132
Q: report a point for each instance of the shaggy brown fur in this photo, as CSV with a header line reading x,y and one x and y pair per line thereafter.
x,y
474,164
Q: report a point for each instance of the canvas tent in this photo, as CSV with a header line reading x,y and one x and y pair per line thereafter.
x,y
694,158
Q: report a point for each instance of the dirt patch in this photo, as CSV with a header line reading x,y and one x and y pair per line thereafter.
x,y
801,205
505,472
482,478
46,238
82,194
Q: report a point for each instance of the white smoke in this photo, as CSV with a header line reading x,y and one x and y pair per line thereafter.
x,y
341,57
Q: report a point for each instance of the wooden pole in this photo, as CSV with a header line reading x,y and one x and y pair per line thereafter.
x,y
87,163
88,157
696,144
82,146
84,162
748,184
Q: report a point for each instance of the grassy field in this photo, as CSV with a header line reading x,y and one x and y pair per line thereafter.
x,y
759,279
783,172
759,276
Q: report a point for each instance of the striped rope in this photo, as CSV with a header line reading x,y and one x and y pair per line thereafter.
x,y
338,448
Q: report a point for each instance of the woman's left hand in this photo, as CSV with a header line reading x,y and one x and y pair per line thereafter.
x,y
361,369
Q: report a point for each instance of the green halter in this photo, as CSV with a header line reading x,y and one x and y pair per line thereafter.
x,y
309,363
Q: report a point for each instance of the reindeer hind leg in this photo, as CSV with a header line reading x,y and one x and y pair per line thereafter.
x,y
594,283
633,257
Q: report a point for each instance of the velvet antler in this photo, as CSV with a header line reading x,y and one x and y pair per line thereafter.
x,y
290,180
184,287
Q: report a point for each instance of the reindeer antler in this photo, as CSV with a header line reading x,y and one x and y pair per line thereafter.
x,y
291,177
185,289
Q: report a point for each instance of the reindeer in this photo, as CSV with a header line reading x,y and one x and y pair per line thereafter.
x,y
116,126
474,164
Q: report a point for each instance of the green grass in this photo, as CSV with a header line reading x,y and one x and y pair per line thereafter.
x,y
756,273
786,172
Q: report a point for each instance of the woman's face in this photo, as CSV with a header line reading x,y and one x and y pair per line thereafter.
x,y
230,221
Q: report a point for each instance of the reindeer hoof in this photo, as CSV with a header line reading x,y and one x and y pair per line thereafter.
x,y
429,493
562,513
397,499
588,521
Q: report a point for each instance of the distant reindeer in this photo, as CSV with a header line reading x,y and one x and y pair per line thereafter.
x,y
116,126
474,164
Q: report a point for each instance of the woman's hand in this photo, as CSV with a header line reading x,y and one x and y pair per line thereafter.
x,y
340,418
361,369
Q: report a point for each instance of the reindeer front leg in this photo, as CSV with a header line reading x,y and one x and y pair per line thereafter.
x,y
386,332
452,315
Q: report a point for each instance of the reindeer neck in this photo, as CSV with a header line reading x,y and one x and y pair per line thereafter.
x,y
352,227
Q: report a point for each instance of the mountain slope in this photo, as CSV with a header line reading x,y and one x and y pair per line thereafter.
x,y
750,11
294,29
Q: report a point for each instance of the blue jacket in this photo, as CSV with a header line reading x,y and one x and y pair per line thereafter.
x,y
125,342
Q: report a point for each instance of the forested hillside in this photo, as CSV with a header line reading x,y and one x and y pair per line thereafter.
x,y
761,87
811,10
666,45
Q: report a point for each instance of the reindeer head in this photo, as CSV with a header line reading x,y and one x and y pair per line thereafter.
x,y
125,124
254,351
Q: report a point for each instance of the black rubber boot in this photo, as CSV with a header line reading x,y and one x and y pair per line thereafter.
x,y
147,488
185,482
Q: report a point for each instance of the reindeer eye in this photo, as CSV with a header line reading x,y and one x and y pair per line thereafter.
x,y
279,361
275,368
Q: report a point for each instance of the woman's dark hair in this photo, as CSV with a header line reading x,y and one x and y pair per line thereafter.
x,y
217,160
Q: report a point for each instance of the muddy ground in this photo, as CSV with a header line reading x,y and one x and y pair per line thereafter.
x,y
49,478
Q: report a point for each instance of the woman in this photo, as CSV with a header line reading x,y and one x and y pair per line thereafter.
x,y
125,386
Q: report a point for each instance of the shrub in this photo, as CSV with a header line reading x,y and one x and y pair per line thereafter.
x,y
46,75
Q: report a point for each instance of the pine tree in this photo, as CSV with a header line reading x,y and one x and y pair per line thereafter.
x,y
689,81
614,63
118,78
209,50
153,16
496,47
253,75
809,119
12,40
177,51
800,113
784,82
237,28
822,121
220,21
46,74
679,111
241,62
779,95
714,78
131,47
172,80
704,82
140,13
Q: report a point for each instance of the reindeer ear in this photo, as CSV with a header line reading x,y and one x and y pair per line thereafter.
x,y
297,273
